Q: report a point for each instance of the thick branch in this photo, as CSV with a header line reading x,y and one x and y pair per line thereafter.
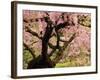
x,y
62,40
51,53
33,33
51,46
61,50
30,50
61,25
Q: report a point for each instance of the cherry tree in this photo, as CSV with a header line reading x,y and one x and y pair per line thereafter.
x,y
51,25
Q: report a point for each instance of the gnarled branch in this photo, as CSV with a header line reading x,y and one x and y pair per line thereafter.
x,y
61,50
33,33
30,49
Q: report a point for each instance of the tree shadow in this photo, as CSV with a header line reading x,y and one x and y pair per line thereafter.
x,y
40,62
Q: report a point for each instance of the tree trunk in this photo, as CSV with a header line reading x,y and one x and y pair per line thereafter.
x,y
45,58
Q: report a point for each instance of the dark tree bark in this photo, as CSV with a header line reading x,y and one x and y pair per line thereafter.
x,y
44,60
30,50
45,41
